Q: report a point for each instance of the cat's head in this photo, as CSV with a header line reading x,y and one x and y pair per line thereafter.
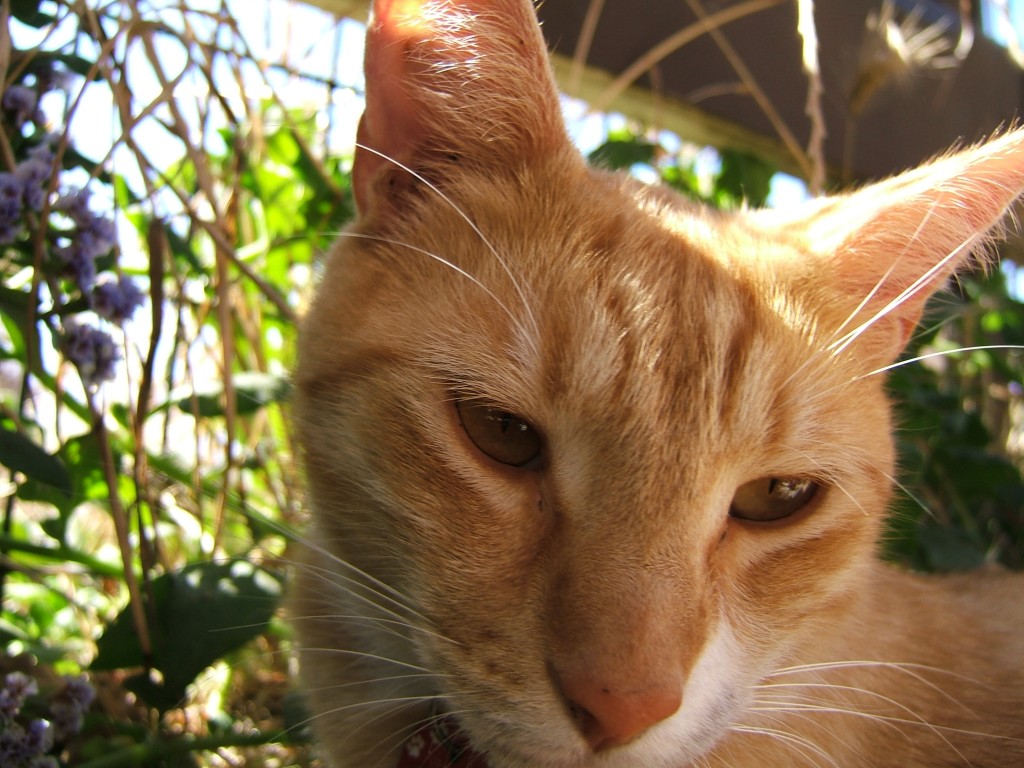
x,y
587,460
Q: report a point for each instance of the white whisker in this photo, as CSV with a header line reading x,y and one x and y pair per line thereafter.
x,y
940,353
531,338
915,718
347,583
910,291
392,626
372,681
440,260
799,743
365,655
910,495
911,669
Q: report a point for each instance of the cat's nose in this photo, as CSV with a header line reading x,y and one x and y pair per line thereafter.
x,y
608,717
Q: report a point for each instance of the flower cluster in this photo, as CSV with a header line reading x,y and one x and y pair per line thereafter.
x,y
90,237
26,741
116,300
21,103
69,705
113,298
24,189
79,241
92,350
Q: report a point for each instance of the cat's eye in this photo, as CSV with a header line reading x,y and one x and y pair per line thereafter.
x,y
772,498
504,436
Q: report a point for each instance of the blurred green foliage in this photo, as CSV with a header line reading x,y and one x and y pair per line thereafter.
x,y
959,418
152,491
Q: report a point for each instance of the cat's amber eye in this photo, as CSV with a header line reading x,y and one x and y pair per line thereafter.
x,y
503,436
772,498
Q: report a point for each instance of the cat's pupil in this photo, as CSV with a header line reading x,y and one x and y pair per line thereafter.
x,y
787,488
772,498
500,434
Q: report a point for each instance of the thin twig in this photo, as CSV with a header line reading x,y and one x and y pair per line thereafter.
x,y
121,528
583,43
706,23
966,41
816,142
756,92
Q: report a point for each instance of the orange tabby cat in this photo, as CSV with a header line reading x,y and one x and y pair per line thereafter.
x,y
598,475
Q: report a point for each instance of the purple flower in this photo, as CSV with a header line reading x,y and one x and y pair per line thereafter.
x,y
10,200
21,102
27,186
79,691
79,263
116,300
20,746
16,688
34,176
97,236
92,237
75,204
67,710
39,737
92,351
12,739
9,233
44,150
67,719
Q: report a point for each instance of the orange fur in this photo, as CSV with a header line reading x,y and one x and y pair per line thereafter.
x,y
600,606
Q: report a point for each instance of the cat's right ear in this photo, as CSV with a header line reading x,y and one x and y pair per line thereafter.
x,y
880,252
451,82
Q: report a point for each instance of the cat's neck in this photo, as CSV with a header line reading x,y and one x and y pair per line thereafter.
x,y
914,654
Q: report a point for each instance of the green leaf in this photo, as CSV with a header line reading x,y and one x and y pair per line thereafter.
x,y
20,454
43,62
297,715
82,459
182,249
682,179
200,613
14,307
43,554
623,150
947,549
17,350
282,148
124,195
27,12
253,390
745,177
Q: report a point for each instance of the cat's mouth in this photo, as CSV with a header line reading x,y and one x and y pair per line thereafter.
x,y
440,743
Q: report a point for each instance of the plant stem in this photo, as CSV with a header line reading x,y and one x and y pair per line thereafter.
x,y
9,543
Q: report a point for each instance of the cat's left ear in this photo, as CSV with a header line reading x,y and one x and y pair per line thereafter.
x,y
881,252
451,82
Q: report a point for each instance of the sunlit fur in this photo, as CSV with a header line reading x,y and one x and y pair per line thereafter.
x,y
667,354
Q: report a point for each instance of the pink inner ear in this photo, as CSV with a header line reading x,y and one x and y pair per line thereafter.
x,y
915,229
469,76
390,130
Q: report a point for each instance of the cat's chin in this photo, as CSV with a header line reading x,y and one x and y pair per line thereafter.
x,y
667,745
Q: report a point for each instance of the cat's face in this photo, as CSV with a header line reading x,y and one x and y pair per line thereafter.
x,y
586,462
660,369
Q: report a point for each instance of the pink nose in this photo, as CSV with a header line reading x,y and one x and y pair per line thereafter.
x,y
608,717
